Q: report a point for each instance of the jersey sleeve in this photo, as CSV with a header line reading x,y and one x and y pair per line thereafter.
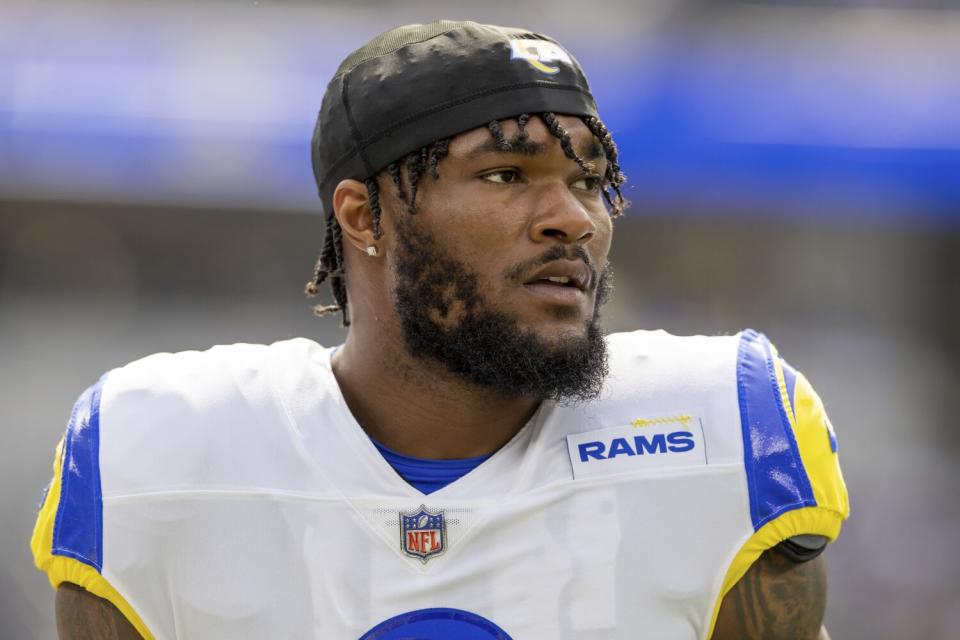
x,y
790,450
793,475
67,541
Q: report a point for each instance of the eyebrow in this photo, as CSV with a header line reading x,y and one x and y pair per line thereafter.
x,y
518,147
592,150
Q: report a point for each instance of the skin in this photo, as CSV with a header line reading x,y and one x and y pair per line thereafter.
x,y
490,224
492,210
777,599
84,616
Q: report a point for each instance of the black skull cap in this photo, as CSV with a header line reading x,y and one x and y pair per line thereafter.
x,y
419,83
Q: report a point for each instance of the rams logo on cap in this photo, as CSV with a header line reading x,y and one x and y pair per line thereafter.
x,y
539,53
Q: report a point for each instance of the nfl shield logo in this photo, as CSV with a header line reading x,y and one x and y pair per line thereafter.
x,y
423,534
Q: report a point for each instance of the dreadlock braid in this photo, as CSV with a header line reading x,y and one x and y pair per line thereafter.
x,y
330,265
614,176
337,248
416,166
558,132
373,197
438,151
522,120
394,170
338,284
497,132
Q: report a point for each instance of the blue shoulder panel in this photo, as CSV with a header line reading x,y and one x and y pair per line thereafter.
x,y
776,479
78,529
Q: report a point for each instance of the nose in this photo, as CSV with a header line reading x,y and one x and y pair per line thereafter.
x,y
561,217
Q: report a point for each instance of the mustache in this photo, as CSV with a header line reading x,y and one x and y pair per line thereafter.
x,y
556,252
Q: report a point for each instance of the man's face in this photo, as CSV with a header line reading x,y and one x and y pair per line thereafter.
x,y
500,273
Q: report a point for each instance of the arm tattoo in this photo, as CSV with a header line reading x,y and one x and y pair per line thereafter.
x,y
84,616
777,599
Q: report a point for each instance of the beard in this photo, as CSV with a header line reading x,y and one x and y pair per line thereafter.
x,y
444,318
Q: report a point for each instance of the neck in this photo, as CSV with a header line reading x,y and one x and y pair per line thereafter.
x,y
418,408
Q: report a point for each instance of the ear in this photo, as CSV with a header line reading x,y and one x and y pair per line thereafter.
x,y
352,208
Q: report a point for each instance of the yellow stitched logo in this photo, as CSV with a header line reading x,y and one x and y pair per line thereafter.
x,y
683,419
539,53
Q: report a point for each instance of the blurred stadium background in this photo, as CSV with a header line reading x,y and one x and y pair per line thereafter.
x,y
795,167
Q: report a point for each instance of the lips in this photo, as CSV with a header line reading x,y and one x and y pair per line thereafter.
x,y
562,282
562,273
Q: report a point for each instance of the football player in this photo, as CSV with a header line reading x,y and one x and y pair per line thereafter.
x,y
476,461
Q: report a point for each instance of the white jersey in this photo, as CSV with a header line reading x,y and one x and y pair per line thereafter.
x,y
232,494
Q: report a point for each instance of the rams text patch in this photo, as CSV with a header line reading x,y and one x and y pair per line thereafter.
x,y
645,443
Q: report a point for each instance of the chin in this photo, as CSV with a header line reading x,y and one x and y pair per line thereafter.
x,y
559,335
571,320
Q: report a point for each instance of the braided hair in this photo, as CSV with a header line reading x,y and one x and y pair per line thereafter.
x,y
424,161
